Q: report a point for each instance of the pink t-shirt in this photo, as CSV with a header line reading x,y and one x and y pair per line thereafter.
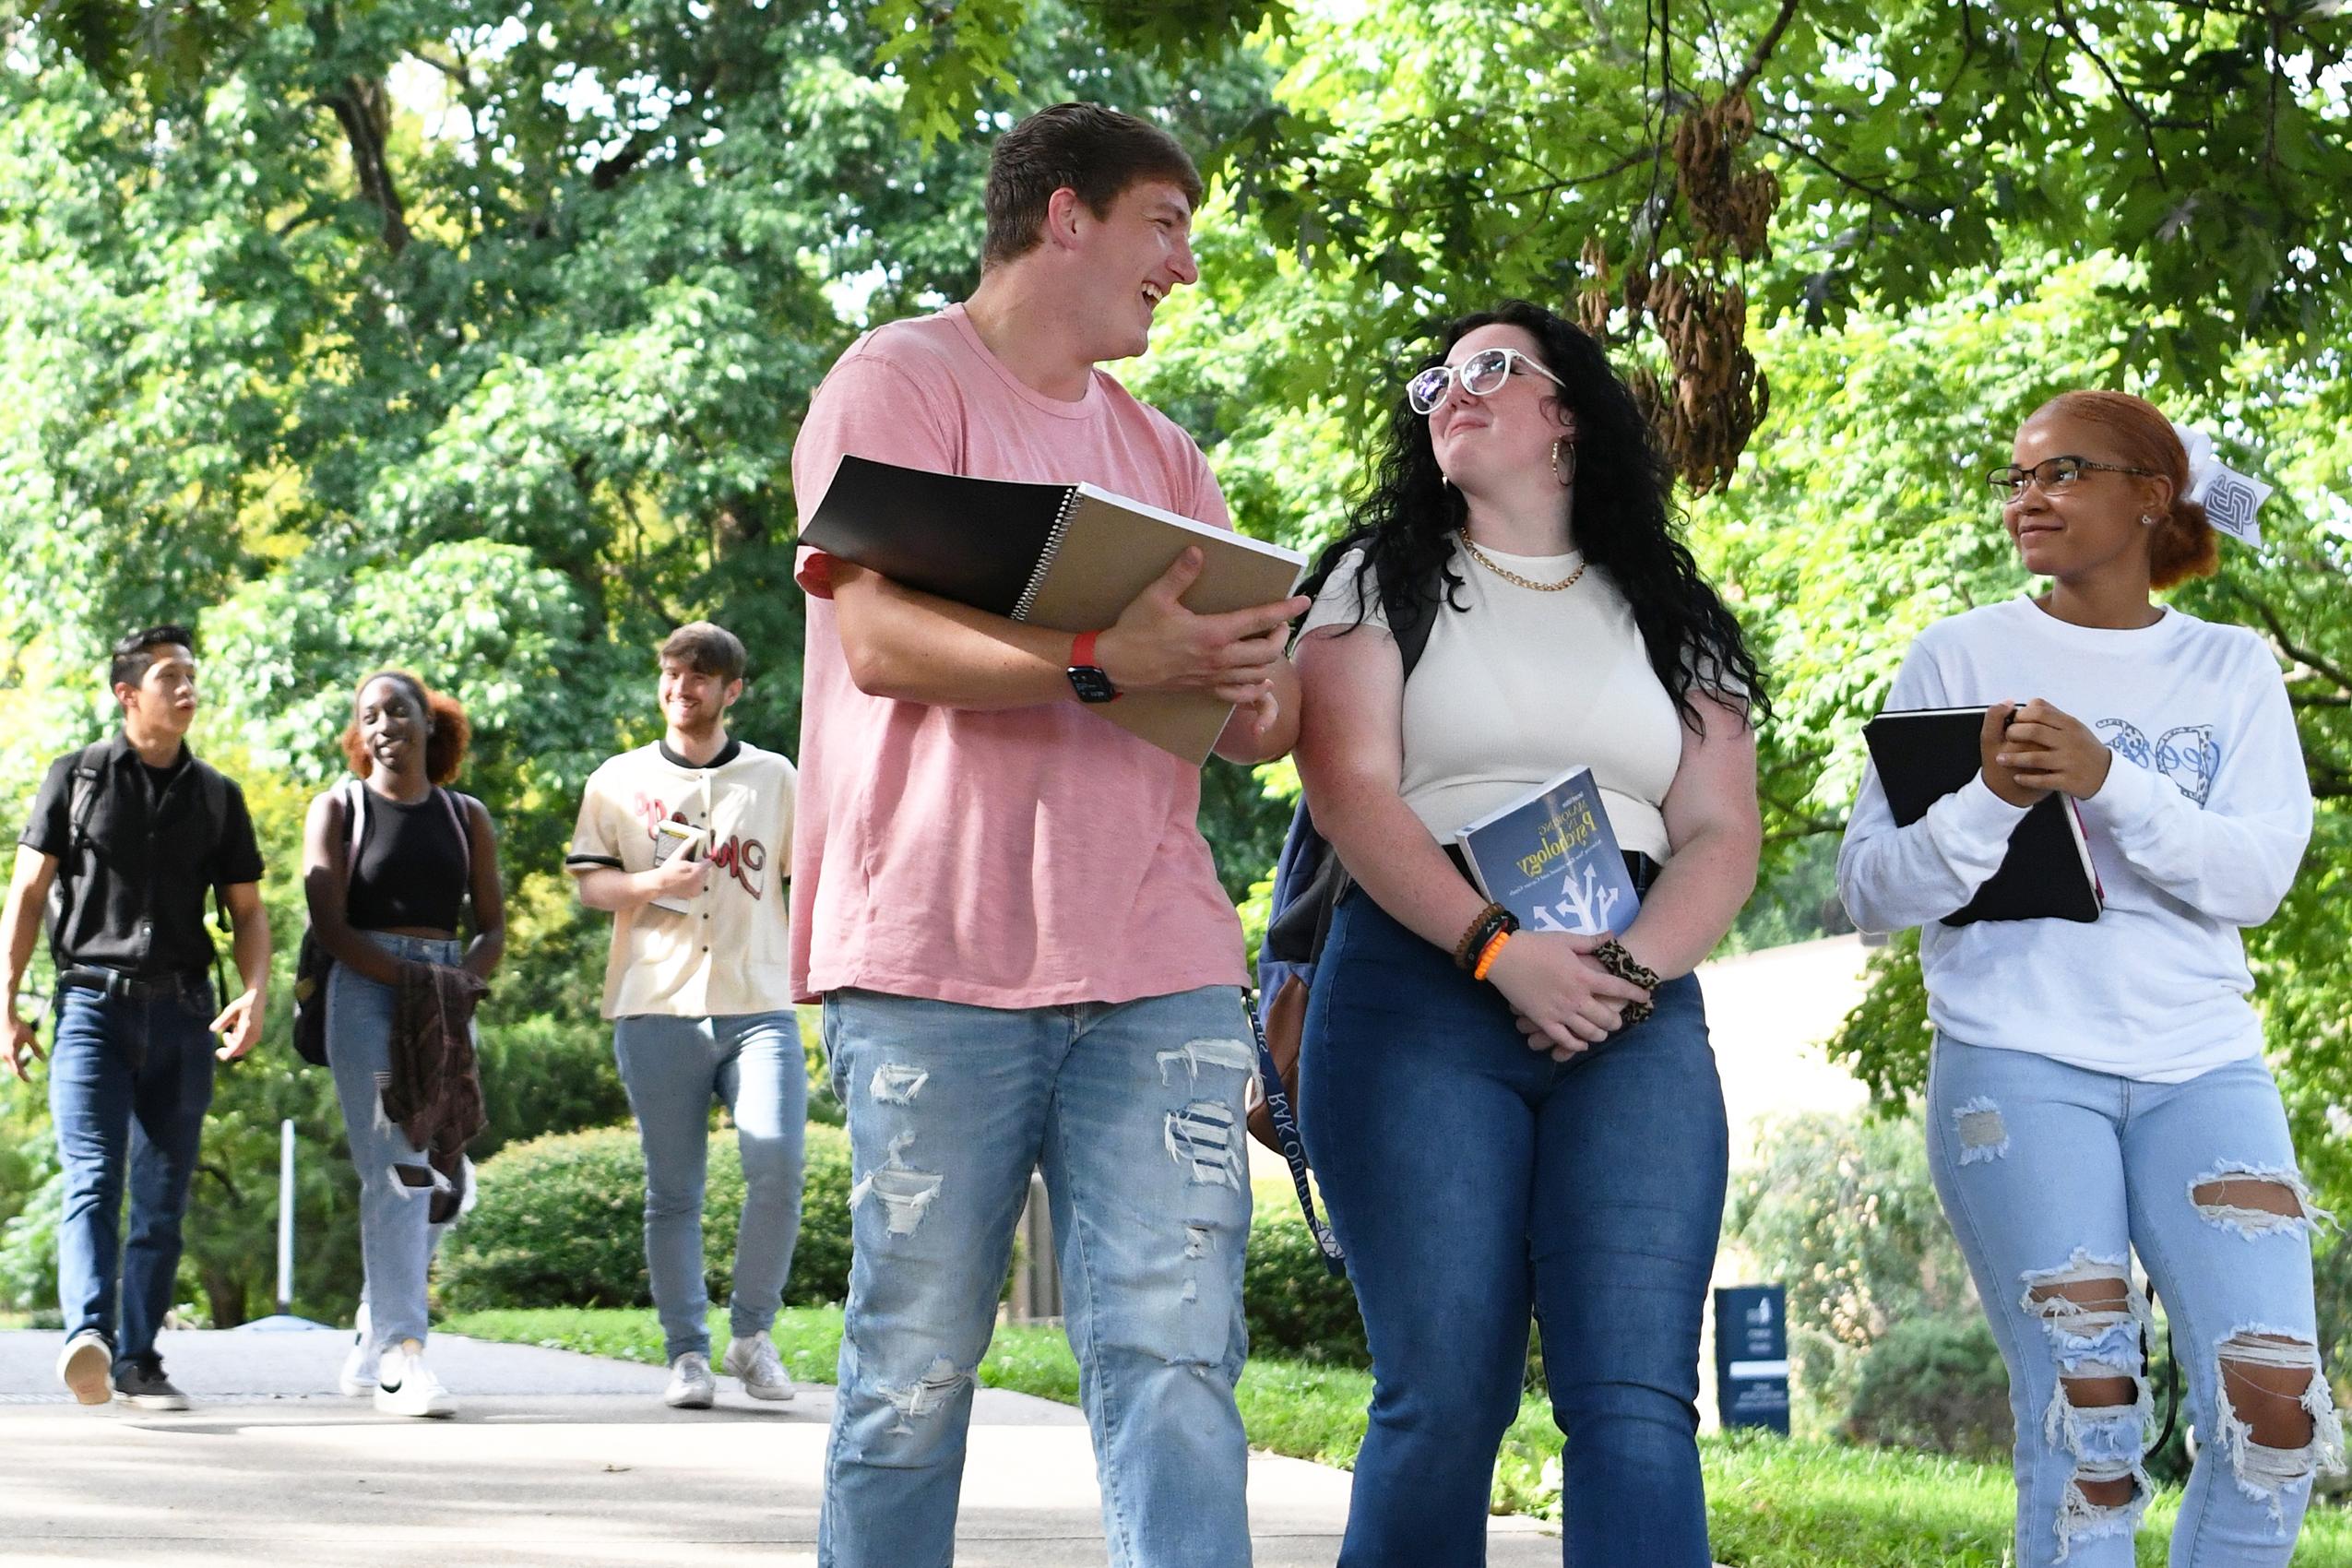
x,y
1027,857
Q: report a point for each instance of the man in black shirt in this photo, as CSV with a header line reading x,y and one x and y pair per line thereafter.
x,y
130,834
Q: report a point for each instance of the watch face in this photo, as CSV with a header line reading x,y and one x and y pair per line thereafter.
x,y
1091,683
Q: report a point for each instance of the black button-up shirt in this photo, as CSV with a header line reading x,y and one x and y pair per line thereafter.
x,y
135,887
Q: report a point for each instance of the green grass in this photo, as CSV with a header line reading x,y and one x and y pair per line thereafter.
x,y
1771,1502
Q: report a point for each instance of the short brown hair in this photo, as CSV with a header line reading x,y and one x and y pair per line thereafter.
x,y
2182,545
448,731
707,649
1095,151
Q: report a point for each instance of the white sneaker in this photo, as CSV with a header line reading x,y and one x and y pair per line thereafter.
x,y
87,1366
691,1385
406,1386
357,1380
753,1357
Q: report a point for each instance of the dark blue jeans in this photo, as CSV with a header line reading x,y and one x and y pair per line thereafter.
x,y
129,1082
1471,1178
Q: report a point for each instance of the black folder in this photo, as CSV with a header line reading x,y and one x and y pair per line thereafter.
x,y
1923,754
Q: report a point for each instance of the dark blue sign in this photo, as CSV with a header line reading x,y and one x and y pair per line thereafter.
x,y
1751,1356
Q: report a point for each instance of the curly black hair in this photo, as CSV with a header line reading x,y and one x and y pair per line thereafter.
x,y
1624,524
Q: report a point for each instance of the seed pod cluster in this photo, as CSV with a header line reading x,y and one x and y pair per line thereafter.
x,y
1729,207
1714,396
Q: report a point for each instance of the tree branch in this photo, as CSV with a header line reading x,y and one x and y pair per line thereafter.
x,y
2287,646
1763,51
2122,93
1883,197
363,111
1546,187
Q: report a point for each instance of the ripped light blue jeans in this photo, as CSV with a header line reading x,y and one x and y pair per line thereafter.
x,y
398,1237
2052,1176
1135,1113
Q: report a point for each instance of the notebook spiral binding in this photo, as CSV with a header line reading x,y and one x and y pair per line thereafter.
x,y
1045,557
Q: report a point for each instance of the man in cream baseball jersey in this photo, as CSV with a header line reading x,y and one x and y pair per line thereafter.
x,y
688,841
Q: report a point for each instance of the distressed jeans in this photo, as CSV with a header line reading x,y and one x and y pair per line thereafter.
x,y
129,1082
1135,1113
1470,1179
674,1068
2052,1176
397,1234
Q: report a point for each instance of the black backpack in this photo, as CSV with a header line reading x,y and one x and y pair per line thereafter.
x,y
1308,883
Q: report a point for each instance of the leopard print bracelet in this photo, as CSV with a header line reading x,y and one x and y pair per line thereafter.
x,y
1611,955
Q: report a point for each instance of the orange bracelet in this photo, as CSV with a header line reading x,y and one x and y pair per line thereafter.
x,y
1489,953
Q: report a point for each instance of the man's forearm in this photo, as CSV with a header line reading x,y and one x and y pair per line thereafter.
x,y
614,891
20,922
915,648
250,945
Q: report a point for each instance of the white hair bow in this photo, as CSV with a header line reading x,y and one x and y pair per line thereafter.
x,y
2230,498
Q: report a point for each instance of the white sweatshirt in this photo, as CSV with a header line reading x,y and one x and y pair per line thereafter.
x,y
2197,836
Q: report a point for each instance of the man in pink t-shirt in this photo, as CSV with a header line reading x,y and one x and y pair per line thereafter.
x,y
1005,903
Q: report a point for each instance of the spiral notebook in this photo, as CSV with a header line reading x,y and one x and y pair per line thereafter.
x,y
1066,556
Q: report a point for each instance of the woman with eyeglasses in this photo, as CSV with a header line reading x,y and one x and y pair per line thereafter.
x,y
1502,1119
2096,1087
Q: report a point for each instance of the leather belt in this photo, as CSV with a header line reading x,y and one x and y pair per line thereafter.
x,y
131,988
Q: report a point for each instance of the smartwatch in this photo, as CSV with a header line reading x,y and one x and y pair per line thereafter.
x,y
1086,677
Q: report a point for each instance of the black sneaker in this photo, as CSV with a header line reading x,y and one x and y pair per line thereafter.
x,y
143,1383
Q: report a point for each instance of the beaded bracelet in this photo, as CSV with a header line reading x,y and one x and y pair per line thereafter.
x,y
1481,928
1611,955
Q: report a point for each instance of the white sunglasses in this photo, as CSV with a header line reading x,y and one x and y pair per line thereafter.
x,y
1483,374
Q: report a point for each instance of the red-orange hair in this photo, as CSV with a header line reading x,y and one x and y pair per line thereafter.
x,y
448,731
2182,545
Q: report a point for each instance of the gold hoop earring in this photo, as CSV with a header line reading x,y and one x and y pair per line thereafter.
x,y
1568,477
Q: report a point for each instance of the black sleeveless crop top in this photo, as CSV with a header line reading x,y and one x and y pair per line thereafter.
x,y
411,869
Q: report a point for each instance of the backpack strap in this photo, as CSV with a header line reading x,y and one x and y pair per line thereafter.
x,y
1411,610
461,818
81,799
354,795
213,785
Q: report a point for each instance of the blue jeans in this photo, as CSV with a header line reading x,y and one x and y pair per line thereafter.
x,y
129,1082
2052,1176
674,1068
1470,1178
397,1233
1136,1113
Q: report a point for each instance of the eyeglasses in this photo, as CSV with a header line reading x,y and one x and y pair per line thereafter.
x,y
1483,374
2055,475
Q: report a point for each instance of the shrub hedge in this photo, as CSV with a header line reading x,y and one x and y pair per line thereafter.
x,y
1935,1384
560,1224
1295,1307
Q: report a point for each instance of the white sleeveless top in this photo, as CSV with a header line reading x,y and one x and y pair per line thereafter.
x,y
1522,686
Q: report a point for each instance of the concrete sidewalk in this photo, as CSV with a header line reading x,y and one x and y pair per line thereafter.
x,y
556,1459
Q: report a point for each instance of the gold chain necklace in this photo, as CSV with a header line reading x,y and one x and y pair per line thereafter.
x,y
1508,576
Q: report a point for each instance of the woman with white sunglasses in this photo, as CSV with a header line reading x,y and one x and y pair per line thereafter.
x,y
1504,1119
